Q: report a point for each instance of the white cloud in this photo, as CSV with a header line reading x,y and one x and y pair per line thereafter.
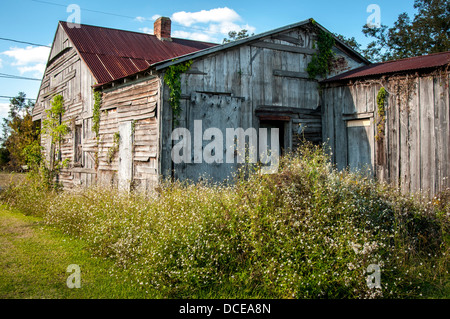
x,y
146,30
143,19
218,15
208,25
28,55
29,59
193,36
37,68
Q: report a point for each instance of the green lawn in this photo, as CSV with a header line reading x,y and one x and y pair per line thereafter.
x,y
34,260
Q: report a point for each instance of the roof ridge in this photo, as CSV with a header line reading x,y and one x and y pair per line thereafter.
x,y
140,33
415,57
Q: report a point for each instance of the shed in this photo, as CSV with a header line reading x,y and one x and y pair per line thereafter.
x,y
404,138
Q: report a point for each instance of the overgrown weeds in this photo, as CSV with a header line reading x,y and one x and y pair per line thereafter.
x,y
309,231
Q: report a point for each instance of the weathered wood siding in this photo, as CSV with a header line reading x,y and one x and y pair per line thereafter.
x,y
244,85
134,102
66,74
413,152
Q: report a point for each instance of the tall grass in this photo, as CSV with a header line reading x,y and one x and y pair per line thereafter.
x,y
309,231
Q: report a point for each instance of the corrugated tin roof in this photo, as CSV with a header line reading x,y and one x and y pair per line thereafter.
x,y
112,54
410,64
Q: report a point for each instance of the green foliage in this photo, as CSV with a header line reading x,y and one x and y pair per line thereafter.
x,y
114,149
381,100
309,231
351,42
234,36
53,126
33,155
172,78
96,113
428,32
320,63
55,129
19,132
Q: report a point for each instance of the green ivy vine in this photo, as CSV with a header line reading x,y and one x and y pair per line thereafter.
x,y
96,120
96,113
381,110
172,78
320,63
114,149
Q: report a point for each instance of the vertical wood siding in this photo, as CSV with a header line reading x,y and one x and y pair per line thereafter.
x,y
415,151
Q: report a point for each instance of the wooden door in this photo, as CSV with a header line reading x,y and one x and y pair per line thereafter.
x,y
360,141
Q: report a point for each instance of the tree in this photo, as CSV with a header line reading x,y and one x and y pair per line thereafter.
x,y
19,131
428,33
351,42
234,36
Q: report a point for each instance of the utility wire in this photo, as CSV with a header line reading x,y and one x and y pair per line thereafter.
x,y
95,11
13,97
31,43
16,77
123,16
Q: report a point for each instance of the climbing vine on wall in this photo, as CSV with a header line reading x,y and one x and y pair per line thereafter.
x,y
96,120
114,149
55,129
96,113
172,78
381,110
320,63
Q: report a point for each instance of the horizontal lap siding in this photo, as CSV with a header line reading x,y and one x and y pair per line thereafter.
x,y
68,75
136,102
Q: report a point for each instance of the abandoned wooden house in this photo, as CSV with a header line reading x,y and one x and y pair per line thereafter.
x,y
257,82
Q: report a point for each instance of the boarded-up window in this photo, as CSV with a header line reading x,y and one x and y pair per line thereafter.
x,y
360,144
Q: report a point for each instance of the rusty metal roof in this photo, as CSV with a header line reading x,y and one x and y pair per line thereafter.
x,y
397,66
113,54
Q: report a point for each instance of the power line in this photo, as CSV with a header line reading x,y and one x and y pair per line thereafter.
x,y
13,97
124,16
16,77
31,43
89,10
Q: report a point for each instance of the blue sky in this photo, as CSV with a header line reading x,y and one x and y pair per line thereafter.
x,y
36,21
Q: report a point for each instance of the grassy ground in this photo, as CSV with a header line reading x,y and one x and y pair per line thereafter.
x,y
34,260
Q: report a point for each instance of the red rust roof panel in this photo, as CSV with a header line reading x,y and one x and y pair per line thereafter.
x,y
409,64
112,54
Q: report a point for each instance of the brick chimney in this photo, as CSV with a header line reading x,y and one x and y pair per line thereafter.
x,y
162,29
